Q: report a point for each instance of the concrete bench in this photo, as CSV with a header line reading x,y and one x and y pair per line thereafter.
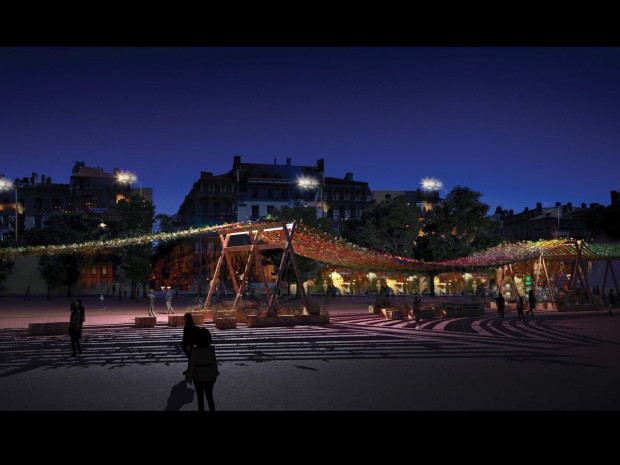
x,y
146,321
176,320
225,323
46,329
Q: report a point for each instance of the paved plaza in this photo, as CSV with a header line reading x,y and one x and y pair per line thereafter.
x,y
358,362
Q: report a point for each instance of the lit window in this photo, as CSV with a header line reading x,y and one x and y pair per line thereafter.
x,y
93,270
104,270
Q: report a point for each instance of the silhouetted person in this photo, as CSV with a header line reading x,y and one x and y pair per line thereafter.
x,y
169,301
151,303
501,304
75,329
520,308
202,369
611,301
532,301
27,296
82,311
189,335
101,305
416,309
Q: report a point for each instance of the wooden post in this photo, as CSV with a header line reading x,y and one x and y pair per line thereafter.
x,y
548,282
246,272
512,277
215,278
289,245
571,286
585,277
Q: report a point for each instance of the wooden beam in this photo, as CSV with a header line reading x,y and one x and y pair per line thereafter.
x,y
215,278
247,248
585,277
244,280
576,267
613,275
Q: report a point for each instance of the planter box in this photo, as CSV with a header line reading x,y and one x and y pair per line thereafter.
x,y
254,321
45,329
146,321
198,317
225,323
393,313
176,320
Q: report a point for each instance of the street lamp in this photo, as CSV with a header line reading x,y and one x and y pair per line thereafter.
x,y
126,177
5,185
305,183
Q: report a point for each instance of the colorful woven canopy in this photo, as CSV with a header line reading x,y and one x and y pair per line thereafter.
x,y
312,243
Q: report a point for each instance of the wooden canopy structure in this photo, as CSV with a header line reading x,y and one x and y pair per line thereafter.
x,y
298,239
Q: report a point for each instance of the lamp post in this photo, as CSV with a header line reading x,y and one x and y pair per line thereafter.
x,y
309,183
5,185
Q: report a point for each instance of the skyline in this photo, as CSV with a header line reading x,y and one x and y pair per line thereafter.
x,y
519,125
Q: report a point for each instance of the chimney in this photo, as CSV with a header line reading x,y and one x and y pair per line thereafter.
x,y
320,165
510,212
49,179
539,208
288,162
35,178
614,197
348,177
275,161
583,205
558,204
42,178
526,209
237,161
570,206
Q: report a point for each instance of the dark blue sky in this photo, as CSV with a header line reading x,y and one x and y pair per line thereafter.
x,y
520,125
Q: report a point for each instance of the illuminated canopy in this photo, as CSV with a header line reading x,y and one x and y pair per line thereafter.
x,y
311,243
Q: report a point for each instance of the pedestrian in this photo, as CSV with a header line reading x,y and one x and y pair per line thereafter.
x,y
520,308
611,300
189,335
81,310
169,301
101,305
501,304
151,302
532,301
202,370
75,329
416,309
27,296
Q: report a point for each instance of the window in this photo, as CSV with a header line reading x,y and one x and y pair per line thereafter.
x,y
223,187
211,187
255,211
82,271
229,207
341,213
217,207
254,193
353,213
93,270
104,270
284,193
270,193
269,209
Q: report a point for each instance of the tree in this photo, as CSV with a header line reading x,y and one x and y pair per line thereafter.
x,y
391,226
63,228
6,267
458,227
132,217
608,220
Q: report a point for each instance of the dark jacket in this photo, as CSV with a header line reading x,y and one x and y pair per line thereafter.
x,y
202,365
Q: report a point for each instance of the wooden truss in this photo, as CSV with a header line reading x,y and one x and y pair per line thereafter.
x,y
254,250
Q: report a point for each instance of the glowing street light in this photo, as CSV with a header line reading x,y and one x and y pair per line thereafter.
x,y
308,183
126,177
7,185
431,184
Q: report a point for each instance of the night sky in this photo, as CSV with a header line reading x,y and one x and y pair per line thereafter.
x,y
520,125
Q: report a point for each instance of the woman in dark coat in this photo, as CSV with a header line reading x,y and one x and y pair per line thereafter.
x,y
202,370
75,329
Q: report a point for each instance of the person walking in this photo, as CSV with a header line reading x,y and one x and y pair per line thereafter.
x,y
75,329
151,302
27,296
202,369
189,336
501,304
520,308
101,305
169,301
611,301
532,302
416,309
